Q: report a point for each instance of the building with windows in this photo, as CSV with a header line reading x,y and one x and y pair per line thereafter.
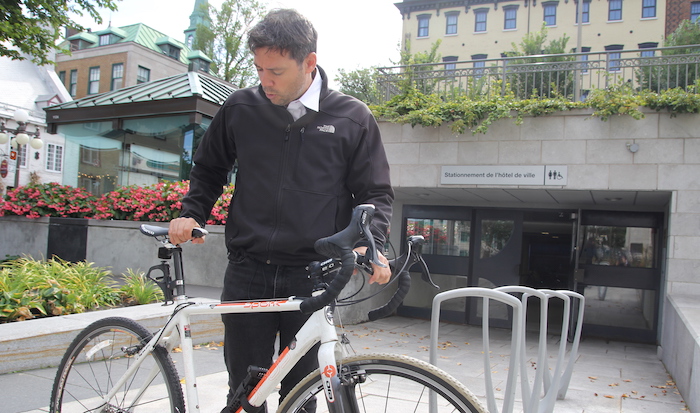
x,y
117,57
31,88
137,135
488,28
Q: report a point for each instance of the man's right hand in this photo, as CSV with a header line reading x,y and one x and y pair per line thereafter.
x,y
180,231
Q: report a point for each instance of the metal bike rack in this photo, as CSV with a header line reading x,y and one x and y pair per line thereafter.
x,y
547,386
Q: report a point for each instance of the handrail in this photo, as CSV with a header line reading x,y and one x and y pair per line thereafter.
x,y
571,74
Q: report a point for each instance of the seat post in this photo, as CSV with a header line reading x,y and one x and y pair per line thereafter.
x,y
179,274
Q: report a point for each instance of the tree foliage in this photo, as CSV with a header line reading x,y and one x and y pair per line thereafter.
x,y
32,27
674,70
361,83
225,41
419,68
540,76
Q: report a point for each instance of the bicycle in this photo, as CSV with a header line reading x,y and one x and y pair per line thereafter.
x,y
117,365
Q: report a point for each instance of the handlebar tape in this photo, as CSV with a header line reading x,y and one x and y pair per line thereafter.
x,y
340,245
396,300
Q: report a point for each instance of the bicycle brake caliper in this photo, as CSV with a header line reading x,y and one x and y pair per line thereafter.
x,y
352,375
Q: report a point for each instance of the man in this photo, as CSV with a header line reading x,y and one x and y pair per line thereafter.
x,y
306,156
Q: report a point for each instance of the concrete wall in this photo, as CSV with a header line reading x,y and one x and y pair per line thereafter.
x,y
597,157
118,245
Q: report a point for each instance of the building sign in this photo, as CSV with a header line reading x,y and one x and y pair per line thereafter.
x,y
3,168
504,175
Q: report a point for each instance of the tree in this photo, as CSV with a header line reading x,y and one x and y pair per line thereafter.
x,y
33,27
673,68
361,83
225,40
419,68
541,76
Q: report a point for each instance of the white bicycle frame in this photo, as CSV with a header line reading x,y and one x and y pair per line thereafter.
x,y
318,328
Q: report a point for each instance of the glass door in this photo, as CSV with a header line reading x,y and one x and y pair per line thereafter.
x,y
496,259
619,274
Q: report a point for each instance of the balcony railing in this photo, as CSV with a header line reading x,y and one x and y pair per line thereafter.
x,y
569,75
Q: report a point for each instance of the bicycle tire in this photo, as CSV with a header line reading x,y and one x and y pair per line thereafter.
x,y
394,383
96,360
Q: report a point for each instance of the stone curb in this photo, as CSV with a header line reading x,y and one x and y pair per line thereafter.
x,y
41,343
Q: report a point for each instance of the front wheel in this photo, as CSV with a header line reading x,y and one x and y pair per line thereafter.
x,y
389,383
96,360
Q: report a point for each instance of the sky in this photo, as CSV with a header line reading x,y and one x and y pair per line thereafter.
x,y
353,34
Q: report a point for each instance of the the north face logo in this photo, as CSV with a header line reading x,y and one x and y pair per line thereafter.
x,y
327,128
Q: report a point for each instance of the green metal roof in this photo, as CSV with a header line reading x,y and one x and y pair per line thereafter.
x,y
141,34
179,86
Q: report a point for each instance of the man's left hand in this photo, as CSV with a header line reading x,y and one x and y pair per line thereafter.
x,y
380,275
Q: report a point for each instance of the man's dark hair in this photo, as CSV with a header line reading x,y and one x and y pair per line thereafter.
x,y
286,31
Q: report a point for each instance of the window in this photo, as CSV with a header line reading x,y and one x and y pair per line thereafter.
x,y
614,10
451,27
442,236
695,11
201,64
423,25
62,77
450,64
510,16
94,82
480,20
54,157
171,51
648,9
143,75
73,87
648,45
117,76
550,13
585,13
105,39
89,156
614,56
479,64
22,153
583,58
620,246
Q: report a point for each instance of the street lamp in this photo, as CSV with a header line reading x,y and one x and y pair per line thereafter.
x,y
21,137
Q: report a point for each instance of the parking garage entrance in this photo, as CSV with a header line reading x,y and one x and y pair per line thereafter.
x,y
613,258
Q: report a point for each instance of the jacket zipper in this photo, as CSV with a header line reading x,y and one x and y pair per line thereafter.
x,y
278,207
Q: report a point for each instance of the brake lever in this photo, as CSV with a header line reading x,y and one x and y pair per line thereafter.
x,y
425,273
416,243
367,234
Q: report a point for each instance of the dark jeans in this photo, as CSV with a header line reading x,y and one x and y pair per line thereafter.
x,y
249,338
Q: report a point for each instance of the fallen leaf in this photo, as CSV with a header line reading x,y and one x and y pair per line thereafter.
x,y
607,396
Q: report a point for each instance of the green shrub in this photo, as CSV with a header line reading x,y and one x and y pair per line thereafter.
x,y
31,288
139,289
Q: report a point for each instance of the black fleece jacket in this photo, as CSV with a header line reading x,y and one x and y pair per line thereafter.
x,y
296,181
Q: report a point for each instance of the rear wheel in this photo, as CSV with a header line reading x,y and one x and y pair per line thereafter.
x,y
389,383
98,357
